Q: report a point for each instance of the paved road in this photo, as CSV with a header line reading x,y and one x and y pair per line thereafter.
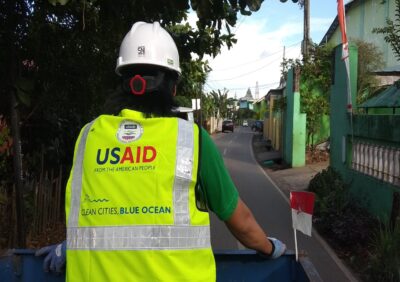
x,y
269,205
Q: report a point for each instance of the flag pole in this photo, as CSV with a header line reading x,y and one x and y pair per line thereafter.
x,y
295,244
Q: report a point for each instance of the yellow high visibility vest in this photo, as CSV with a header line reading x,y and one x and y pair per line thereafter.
x,y
130,203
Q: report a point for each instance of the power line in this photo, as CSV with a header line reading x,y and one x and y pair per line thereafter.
x,y
240,23
247,73
257,60
262,86
264,66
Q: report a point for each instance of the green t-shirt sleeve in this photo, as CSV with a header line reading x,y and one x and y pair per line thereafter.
x,y
220,191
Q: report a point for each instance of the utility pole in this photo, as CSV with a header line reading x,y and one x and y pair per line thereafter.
x,y
306,32
305,45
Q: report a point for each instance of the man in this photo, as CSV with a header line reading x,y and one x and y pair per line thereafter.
x,y
141,180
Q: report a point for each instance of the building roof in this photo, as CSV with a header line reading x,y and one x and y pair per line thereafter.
x,y
393,70
259,99
248,95
389,98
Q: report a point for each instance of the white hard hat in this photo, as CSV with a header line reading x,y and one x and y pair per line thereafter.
x,y
148,44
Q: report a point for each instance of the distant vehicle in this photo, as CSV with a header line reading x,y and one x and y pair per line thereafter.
x,y
245,123
257,126
227,125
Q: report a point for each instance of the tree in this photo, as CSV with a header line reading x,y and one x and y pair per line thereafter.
x,y
245,114
315,82
392,31
315,85
369,59
58,58
220,99
207,106
231,107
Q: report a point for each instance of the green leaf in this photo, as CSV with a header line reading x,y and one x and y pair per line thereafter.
x,y
254,5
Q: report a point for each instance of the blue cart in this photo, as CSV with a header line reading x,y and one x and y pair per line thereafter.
x,y
245,265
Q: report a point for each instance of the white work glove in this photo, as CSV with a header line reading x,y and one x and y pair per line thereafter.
x,y
278,248
55,257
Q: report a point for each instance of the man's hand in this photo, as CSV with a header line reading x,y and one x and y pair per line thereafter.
x,y
55,257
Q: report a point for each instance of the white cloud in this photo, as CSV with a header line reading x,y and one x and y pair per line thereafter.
x,y
255,58
257,55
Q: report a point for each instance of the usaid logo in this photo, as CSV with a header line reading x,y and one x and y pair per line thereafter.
x,y
129,131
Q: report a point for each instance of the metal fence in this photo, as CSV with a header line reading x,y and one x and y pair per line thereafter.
x,y
379,161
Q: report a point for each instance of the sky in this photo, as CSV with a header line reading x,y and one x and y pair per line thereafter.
x,y
262,38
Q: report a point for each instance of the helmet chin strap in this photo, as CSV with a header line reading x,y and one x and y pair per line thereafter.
x,y
139,85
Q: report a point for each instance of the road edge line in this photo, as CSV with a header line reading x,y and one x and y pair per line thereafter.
x,y
325,245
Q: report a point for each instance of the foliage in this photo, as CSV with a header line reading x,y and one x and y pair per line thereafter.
x,y
336,214
385,259
391,31
329,189
207,106
315,82
369,59
348,226
245,114
183,101
58,56
287,64
194,75
231,108
280,104
220,99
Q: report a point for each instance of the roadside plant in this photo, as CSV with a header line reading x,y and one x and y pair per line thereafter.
x,y
385,257
391,31
336,213
329,189
220,99
372,249
370,59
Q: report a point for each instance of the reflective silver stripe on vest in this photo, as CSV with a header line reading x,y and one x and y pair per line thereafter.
x,y
76,183
183,172
159,237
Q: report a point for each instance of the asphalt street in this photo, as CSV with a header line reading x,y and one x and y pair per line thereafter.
x,y
268,204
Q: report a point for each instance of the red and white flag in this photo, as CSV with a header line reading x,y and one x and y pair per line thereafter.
x,y
302,204
345,49
342,25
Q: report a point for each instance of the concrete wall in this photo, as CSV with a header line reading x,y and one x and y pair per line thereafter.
x,y
362,18
294,143
340,118
214,125
273,129
376,195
